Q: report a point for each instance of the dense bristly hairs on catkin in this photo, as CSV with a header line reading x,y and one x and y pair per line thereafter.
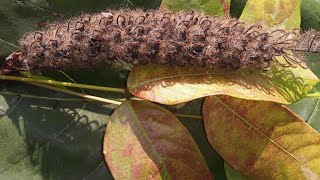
x,y
157,36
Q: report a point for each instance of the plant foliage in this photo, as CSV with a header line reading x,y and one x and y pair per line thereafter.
x,y
231,124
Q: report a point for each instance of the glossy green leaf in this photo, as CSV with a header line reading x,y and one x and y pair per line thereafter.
x,y
262,139
145,141
236,8
309,110
212,7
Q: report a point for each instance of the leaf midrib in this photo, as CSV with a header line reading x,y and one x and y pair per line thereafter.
x,y
175,76
153,150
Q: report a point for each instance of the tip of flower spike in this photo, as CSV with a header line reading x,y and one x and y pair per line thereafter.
x,y
11,63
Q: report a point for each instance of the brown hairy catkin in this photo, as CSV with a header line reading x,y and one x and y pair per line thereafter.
x,y
157,36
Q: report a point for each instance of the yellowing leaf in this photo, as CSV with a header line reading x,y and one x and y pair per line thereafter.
x,y
145,141
173,85
211,7
264,140
284,14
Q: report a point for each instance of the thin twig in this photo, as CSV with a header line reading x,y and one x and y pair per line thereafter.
x,y
189,116
40,97
90,97
61,83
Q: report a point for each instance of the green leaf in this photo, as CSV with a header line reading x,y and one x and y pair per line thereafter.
x,y
263,140
211,7
236,8
95,6
309,110
232,174
310,14
50,139
17,18
144,140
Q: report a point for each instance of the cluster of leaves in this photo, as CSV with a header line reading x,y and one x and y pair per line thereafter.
x,y
242,114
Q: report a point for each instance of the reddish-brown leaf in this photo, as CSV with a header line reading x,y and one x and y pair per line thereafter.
x,y
262,139
145,141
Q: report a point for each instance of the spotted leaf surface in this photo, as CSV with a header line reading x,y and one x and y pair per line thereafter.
x,y
262,139
145,141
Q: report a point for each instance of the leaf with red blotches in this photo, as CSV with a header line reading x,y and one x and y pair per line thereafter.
x,y
145,141
263,140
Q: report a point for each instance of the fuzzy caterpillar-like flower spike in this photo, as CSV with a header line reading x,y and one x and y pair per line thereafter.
x,y
157,36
